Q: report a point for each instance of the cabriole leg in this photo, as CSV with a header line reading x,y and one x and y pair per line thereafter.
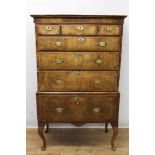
x,y
106,127
41,134
47,128
115,132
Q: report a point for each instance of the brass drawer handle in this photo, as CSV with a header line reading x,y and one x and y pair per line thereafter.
x,y
96,110
59,110
102,44
58,44
48,28
97,81
60,82
77,99
80,39
99,61
80,28
108,28
59,61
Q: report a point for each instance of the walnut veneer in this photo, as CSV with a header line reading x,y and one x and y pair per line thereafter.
x,y
78,67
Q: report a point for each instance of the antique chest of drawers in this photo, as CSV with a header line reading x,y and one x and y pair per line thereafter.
x,y
78,66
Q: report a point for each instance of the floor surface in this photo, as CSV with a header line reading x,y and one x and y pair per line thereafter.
x,y
77,141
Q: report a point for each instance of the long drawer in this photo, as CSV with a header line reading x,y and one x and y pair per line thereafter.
x,y
78,81
79,43
77,108
78,60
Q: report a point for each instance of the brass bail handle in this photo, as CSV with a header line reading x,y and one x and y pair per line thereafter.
x,y
59,110
99,61
97,110
60,82
59,61
97,81
59,44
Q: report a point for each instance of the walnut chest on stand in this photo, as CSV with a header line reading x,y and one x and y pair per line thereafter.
x,y
78,67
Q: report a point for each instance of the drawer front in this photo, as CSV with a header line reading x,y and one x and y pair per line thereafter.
x,y
48,29
79,43
78,81
79,60
109,29
81,108
79,30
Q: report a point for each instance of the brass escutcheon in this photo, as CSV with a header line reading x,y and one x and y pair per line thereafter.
x,y
78,54
77,99
78,73
80,28
80,39
48,28
108,28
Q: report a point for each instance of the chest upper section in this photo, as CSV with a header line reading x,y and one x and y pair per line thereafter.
x,y
78,52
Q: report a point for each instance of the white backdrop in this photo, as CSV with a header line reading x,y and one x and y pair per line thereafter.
x,y
105,7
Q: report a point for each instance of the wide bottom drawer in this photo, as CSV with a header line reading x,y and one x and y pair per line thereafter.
x,y
77,108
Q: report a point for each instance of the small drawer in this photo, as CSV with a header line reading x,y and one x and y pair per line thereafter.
x,y
109,30
77,108
78,60
48,29
77,81
79,29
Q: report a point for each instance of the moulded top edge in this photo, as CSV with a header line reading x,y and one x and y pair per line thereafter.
x,y
77,93
78,16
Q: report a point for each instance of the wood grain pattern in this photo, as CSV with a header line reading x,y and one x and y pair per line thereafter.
x,y
77,93
75,29
48,29
78,43
77,108
114,30
78,21
77,81
78,64
106,19
78,60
